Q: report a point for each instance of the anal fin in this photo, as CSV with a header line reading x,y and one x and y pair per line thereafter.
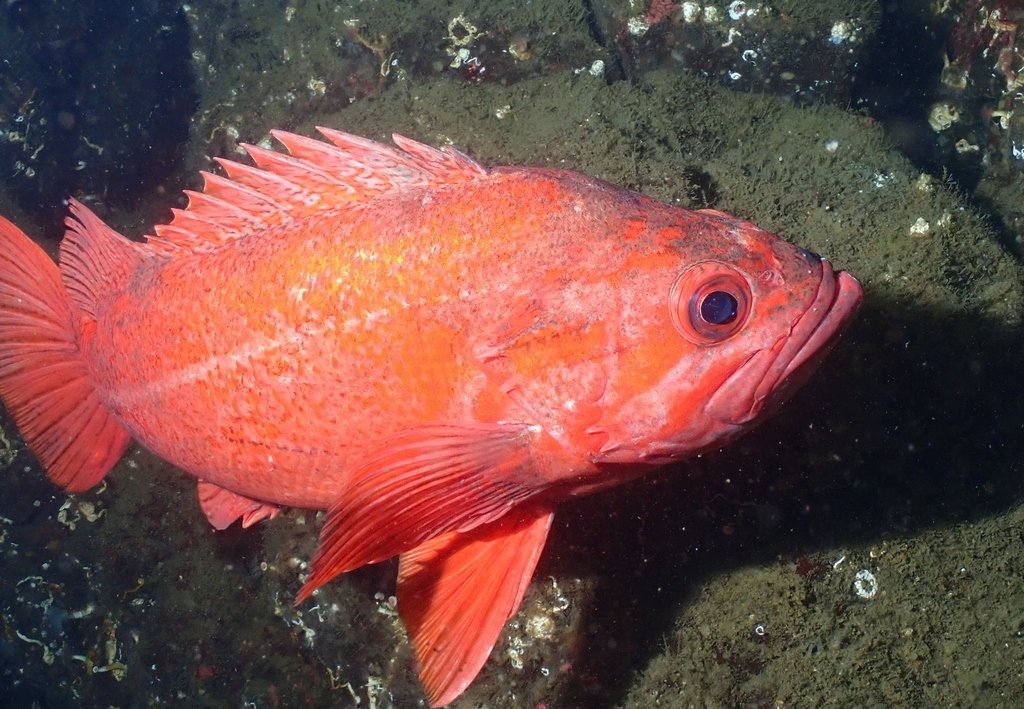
x,y
456,591
222,507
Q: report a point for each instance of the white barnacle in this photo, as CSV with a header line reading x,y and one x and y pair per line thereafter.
x,y
865,585
920,227
737,9
691,12
842,31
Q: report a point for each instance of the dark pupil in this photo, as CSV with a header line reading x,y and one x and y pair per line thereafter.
x,y
719,308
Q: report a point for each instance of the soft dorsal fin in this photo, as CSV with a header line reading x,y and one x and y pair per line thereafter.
x,y
94,258
313,176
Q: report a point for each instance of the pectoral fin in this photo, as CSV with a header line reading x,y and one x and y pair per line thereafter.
x,y
456,591
428,481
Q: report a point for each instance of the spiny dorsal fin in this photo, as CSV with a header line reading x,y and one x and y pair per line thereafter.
x,y
313,176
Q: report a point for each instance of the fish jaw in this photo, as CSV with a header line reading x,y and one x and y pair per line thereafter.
x,y
769,377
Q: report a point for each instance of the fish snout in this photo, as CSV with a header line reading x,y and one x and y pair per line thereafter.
x,y
771,375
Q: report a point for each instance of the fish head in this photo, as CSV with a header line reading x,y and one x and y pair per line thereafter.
x,y
739,321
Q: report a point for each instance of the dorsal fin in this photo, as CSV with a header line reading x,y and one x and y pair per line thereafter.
x,y
313,176
95,259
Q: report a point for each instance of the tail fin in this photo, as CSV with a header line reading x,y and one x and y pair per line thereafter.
x,y
43,378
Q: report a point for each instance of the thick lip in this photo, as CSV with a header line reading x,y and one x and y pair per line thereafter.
x,y
782,368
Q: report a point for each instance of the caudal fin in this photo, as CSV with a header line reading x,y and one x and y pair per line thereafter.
x,y
43,379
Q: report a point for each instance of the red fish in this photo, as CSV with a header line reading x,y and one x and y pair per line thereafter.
x,y
435,352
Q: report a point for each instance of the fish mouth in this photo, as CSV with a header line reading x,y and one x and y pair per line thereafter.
x,y
779,370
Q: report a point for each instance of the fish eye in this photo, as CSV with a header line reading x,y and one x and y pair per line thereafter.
x,y
719,307
709,302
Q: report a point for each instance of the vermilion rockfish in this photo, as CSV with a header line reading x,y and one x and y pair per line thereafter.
x,y
435,352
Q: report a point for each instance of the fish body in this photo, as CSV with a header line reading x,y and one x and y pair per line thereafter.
x,y
435,352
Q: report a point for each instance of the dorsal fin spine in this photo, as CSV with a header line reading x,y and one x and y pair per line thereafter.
x,y
313,177
255,202
280,189
204,201
301,173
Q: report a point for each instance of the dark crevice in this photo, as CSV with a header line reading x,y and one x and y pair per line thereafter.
x,y
98,97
